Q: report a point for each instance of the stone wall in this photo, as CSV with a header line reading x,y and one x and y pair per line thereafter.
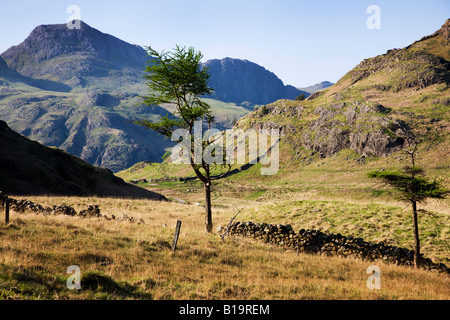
x,y
92,211
327,244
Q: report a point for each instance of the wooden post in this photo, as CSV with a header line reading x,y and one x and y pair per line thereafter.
x,y
175,237
7,210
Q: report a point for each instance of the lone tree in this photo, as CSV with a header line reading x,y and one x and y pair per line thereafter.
x,y
179,78
414,188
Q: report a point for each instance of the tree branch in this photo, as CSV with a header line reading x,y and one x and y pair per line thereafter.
x,y
227,230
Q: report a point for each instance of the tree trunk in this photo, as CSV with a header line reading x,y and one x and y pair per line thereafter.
x,y
208,217
416,236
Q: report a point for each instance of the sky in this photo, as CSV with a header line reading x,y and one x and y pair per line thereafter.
x,y
302,42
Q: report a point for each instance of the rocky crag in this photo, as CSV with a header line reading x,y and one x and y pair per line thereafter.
x,y
245,82
77,56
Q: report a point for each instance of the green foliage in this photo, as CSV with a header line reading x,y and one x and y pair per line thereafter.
x,y
177,77
165,156
165,126
263,111
300,97
412,187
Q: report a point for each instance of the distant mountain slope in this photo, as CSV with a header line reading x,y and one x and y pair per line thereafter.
x,y
29,168
242,81
93,125
317,87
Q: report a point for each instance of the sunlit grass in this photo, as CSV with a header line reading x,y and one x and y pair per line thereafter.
x,y
122,260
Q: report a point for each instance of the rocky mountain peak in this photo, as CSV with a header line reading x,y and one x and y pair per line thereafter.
x,y
48,41
239,81
55,52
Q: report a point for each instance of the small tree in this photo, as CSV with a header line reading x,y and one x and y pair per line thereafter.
x,y
179,78
414,188
300,97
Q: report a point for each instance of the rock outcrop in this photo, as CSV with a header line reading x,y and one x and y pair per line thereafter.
x,y
362,127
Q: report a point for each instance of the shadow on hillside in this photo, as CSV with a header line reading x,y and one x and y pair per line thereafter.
x,y
49,85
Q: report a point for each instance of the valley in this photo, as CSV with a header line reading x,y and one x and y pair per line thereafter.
x,y
83,150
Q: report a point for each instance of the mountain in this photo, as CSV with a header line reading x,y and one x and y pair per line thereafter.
x,y
418,66
317,87
93,125
372,109
29,168
245,82
79,90
78,57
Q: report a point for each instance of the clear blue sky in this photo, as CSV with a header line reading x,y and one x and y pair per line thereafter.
x,y
302,42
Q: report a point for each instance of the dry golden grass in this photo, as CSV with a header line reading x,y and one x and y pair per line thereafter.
x,y
121,260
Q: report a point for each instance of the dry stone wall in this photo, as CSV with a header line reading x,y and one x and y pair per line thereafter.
x,y
324,243
92,211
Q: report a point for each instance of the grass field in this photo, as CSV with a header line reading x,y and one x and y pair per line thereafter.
x,y
122,260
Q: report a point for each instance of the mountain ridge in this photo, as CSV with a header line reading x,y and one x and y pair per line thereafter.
x,y
70,55
241,81
317,87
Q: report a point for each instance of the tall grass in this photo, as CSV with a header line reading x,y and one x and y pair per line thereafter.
x,y
122,260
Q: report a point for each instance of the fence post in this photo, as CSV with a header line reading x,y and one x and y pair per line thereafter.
x,y
6,210
175,237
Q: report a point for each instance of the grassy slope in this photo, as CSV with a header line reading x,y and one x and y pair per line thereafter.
x,y
120,260
324,198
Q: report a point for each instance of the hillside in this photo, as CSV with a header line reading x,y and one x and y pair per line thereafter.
x,y
29,168
373,108
122,260
9,77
